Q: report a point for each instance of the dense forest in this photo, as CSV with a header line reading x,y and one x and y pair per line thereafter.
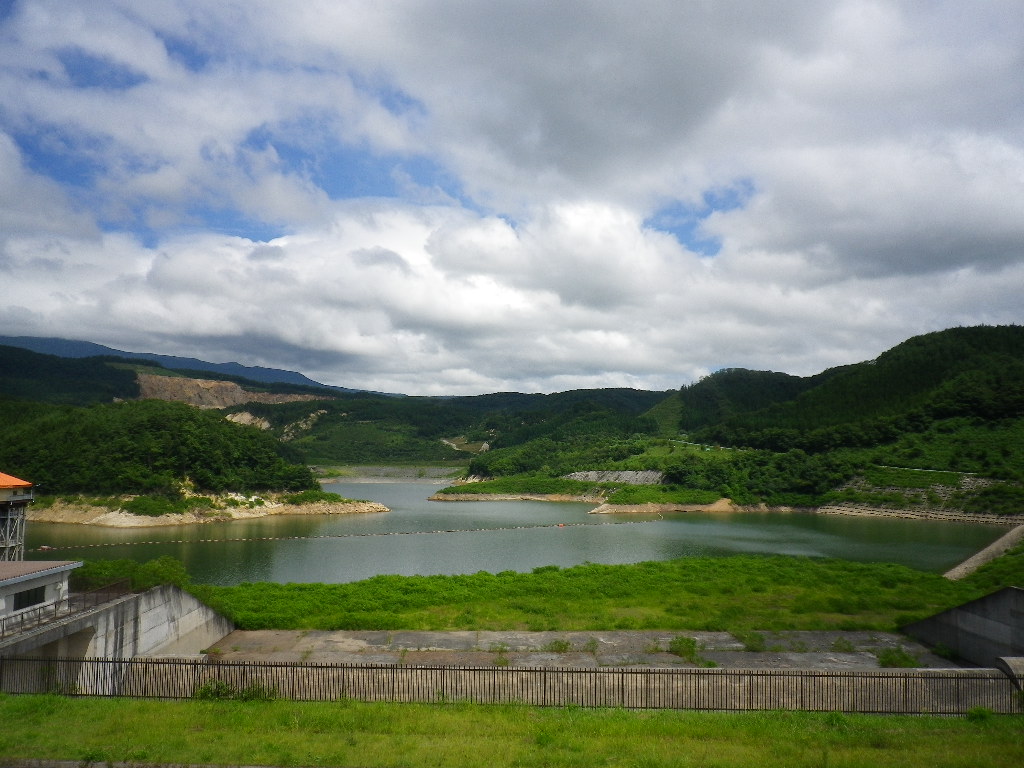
x,y
148,447
948,401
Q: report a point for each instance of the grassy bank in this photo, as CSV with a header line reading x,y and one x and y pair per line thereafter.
x,y
740,593
283,733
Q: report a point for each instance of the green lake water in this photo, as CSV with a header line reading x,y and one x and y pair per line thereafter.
x,y
427,537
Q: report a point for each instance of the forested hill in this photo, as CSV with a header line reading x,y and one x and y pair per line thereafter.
x,y
107,446
45,378
148,446
975,373
64,428
936,422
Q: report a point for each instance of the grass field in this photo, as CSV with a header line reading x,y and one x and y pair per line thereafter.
x,y
280,733
735,594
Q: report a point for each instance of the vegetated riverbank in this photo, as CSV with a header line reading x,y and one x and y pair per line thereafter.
x,y
85,513
381,473
585,498
727,505
740,593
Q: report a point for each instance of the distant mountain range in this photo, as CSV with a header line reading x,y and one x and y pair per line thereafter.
x,y
77,349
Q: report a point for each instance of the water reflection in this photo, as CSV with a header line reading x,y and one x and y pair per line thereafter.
x,y
476,537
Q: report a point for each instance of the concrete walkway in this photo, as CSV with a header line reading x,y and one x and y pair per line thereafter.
x,y
1005,542
768,650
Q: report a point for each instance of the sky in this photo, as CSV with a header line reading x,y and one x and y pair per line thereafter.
x,y
457,197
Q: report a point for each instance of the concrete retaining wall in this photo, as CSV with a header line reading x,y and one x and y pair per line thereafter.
x,y
980,631
163,621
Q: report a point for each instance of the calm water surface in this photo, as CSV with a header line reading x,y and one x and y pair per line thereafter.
x,y
434,538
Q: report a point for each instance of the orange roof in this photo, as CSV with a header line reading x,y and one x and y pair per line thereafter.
x,y
9,481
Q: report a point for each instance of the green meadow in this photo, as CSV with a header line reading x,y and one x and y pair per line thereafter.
x,y
284,733
736,594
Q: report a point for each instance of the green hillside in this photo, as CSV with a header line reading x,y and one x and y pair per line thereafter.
x,y
354,430
146,446
731,392
937,389
49,379
952,400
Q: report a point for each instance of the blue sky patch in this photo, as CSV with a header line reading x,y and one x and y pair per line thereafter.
x,y
88,71
684,220
394,100
345,172
6,9
188,54
69,159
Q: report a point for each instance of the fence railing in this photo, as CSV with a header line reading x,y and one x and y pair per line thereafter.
x,y
955,691
74,603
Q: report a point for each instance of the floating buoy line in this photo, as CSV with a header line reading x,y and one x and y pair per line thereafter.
x,y
46,548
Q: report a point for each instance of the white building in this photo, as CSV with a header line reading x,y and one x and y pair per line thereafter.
x,y
33,584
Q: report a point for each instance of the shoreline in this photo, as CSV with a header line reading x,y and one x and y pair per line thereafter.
x,y
585,499
725,505
83,514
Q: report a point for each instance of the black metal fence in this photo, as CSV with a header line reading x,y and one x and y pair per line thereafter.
x,y
76,602
955,691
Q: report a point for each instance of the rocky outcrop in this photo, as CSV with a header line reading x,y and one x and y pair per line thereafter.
x,y
292,431
207,393
247,419
87,514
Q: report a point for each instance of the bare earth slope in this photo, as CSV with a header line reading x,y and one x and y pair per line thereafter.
x,y
207,393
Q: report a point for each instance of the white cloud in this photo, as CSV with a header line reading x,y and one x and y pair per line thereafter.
x,y
520,148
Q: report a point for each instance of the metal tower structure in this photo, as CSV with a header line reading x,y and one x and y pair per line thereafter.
x,y
15,496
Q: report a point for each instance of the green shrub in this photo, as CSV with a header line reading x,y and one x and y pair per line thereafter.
x,y
896,657
684,648
752,641
843,645
313,496
528,484
662,494
214,690
558,646
219,690
142,576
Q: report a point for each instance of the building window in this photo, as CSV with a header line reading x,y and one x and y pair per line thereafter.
x,y
29,597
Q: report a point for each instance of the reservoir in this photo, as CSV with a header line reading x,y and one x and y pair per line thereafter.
x,y
428,537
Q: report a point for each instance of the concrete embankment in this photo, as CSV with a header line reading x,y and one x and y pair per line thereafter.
x,y
998,547
943,515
